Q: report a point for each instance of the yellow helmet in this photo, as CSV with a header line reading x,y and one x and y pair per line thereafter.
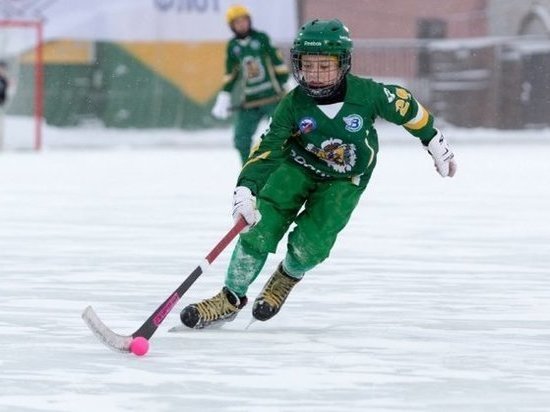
x,y
235,12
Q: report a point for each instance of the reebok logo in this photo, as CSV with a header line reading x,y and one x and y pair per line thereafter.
x,y
312,43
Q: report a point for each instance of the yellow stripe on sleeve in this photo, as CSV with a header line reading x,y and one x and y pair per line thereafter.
x,y
420,120
262,156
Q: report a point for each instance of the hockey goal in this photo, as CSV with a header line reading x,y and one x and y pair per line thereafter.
x,y
21,64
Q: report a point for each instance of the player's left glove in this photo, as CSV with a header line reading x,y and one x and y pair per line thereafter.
x,y
442,155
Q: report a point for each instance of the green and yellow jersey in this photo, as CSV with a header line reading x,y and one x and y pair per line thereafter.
x,y
258,64
342,146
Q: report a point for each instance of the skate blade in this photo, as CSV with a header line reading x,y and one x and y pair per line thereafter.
x,y
253,320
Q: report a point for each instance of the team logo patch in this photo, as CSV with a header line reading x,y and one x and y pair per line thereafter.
x,y
307,125
255,44
353,122
337,154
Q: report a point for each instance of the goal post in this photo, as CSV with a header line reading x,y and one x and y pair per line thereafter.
x,y
22,61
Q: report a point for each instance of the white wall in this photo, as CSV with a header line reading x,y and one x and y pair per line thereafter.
x,y
505,16
153,20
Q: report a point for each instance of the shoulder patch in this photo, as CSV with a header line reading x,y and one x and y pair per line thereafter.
x,y
353,122
255,44
307,125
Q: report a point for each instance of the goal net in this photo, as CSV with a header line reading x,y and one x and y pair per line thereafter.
x,y
21,84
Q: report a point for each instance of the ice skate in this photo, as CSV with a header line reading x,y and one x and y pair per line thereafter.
x,y
215,311
271,299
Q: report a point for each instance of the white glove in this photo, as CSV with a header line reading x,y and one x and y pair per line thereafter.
x,y
222,106
244,204
442,154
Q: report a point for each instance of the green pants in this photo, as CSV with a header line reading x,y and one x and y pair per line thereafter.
x,y
246,124
328,206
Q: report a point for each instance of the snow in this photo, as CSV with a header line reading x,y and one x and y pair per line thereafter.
x,y
436,296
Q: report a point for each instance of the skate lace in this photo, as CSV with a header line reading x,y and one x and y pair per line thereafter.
x,y
216,307
277,290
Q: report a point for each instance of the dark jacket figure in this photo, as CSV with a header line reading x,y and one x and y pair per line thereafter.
x,y
3,89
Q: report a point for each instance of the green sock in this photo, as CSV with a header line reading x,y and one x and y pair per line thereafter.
x,y
244,267
292,268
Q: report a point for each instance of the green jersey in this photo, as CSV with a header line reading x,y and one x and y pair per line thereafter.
x,y
258,64
341,144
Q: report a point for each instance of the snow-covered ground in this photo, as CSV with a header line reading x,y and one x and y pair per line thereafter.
x,y
436,296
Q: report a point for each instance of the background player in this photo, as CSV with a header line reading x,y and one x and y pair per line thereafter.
x,y
255,68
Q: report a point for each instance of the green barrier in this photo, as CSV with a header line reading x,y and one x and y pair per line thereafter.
x,y
118,91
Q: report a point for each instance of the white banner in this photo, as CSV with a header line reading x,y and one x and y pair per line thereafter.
x,y
150,20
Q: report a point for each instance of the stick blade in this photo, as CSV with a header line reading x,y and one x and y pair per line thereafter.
x,y
112,340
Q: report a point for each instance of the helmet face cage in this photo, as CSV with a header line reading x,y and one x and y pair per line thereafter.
x,y
344,66
328,38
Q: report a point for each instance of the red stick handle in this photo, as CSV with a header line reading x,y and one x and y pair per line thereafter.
x,y
239,226
150,326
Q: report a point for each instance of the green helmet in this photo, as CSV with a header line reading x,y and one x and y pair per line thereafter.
x,y
324,38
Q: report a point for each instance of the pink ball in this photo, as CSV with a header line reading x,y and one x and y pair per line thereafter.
x,y
139,346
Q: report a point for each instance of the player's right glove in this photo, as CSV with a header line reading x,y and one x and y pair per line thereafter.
x,y
244,204
221,109
442,155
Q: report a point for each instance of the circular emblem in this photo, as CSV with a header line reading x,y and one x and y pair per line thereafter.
x,y
307,125
353,122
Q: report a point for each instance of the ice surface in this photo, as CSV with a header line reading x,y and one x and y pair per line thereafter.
x,y
436,296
